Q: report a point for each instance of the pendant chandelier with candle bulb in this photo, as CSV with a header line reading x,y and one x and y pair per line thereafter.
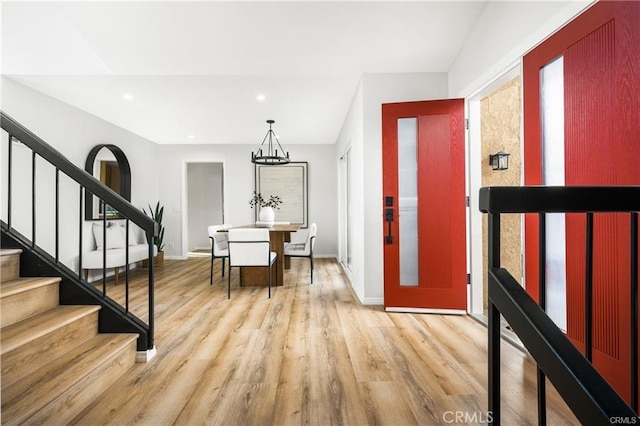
x,y
271,154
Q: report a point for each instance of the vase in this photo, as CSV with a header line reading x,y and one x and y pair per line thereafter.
x,y
158,260
267,214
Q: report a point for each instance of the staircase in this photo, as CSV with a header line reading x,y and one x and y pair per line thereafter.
x,y
54,362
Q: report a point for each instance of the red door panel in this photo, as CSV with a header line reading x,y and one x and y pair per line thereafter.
x,y
601,53
440,206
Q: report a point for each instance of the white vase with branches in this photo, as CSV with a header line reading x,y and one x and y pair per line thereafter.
x,y
267,207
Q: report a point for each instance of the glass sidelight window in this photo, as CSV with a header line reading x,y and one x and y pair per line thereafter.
x,y
553,146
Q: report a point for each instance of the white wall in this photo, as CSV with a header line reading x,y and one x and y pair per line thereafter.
x,y
73,133
351,136
363,128
239,185
505,31
204,189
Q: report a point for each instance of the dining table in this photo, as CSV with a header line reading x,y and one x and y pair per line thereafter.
x,y
278,235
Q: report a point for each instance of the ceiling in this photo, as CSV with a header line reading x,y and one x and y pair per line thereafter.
x,y
190,72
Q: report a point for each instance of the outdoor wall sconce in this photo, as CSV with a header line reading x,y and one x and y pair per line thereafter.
x,y
499,161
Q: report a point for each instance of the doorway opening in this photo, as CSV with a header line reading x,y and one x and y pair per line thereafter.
x,y
345,210
495,125
204,205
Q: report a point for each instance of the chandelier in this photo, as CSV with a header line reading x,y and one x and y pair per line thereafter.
x,y
270,156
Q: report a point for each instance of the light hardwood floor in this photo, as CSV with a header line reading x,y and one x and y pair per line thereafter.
x,y
312,354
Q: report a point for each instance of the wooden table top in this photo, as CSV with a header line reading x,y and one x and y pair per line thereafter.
x,y
292,227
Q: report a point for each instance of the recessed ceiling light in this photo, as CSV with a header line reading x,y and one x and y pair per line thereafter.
x,y
191,137
261,97
128,96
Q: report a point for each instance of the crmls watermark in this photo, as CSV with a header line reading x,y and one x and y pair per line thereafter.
x,y
465,417
624,420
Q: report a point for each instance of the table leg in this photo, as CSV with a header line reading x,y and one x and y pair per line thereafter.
x,y
277,245
287,260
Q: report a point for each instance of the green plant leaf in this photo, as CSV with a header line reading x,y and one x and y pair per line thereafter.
x,y
156,213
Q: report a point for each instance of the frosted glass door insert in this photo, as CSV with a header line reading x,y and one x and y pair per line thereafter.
x,y
408,200
552,99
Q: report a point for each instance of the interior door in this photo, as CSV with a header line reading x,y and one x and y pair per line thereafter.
x,y
597,57
424,206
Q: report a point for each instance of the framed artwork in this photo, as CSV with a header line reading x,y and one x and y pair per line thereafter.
x,y
289,182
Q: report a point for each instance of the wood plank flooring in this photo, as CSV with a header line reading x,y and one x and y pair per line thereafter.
x,y
310,355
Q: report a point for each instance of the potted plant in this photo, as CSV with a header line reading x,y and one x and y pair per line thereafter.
x,y
267,213
156,214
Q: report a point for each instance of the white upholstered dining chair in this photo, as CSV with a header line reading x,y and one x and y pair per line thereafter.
x,y
304,249
219,248
250,247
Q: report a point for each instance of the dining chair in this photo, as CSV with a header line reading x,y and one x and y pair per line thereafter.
x,y
219,247
304,249
250,247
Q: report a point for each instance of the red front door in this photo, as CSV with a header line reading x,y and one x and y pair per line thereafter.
x,y
600,109
423,206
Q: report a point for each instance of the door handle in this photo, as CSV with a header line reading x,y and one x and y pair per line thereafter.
x,y
388,216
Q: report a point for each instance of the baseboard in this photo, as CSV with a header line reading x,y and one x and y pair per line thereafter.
x,y
369,301
325,256
175,257
146,356
346,272
507,335
193,254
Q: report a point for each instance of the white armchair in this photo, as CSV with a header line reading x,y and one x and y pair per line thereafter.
x,y
304,249
250,247
219,247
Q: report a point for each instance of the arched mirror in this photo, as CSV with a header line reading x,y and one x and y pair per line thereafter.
x,y
109,165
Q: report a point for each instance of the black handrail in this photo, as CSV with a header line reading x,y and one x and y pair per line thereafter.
x,y
86,183
586,392
591,398
92,184
559,199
